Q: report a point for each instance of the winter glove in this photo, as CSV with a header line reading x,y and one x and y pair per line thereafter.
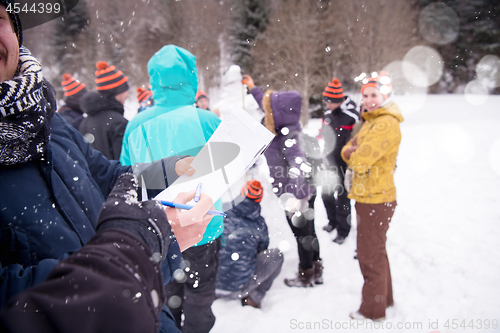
x,y
147,219
348,180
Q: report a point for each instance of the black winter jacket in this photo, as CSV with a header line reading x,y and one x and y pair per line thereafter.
x,y
104,125
92,291
73,117
72,112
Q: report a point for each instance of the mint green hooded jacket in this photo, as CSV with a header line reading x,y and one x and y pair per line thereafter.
x,y
172,126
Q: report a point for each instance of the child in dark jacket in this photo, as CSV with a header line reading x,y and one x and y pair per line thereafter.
x,y
247,268
338,121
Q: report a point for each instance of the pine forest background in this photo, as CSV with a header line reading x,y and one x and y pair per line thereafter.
x,y
283,44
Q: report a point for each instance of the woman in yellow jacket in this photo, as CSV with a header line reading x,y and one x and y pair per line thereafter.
x,y
372,154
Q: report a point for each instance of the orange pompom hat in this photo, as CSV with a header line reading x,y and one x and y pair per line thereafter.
x,y
382,82
143,94
200,94
253,190
72,87
109,80
333,92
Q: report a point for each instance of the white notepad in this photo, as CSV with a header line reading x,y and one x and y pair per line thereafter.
x,y
234,147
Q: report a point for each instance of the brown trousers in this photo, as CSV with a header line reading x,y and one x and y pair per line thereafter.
x,y
373,223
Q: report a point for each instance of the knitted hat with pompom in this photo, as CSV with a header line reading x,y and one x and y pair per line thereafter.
x,y
109,80
382,82
199,95
143,94
333,92
72,87
253,190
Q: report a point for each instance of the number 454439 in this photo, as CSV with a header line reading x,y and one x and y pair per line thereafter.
x,y
39,8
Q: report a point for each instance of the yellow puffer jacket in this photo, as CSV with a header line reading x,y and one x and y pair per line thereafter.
x,y
374,161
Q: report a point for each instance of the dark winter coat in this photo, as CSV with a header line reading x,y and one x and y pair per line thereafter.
x,y
72,112
104,122
50,206
341,121
97,294
73,117
284,156
246,234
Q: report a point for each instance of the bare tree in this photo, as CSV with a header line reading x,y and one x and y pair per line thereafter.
x,y
366,35
287,55
197,25
306,44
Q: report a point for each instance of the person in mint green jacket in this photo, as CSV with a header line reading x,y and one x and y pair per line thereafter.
x,y
173,126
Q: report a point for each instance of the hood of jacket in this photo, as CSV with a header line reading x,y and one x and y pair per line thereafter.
x,y
93,102
389,109
173,76
281,108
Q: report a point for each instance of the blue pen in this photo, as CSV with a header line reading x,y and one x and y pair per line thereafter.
x,y
198,193
183,206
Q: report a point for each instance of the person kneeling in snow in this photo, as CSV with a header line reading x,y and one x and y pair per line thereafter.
x,y
247,268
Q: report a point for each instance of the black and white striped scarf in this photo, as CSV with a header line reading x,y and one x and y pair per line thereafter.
x,y
26,104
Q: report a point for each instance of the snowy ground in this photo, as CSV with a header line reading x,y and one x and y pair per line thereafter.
x,y
443,242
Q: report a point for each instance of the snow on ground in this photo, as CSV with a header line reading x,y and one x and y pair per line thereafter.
x,y
443,242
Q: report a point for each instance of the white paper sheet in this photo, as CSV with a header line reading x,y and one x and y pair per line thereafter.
x,y
234,147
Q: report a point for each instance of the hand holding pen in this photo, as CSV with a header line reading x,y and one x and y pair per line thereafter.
x,y
196,198
189,225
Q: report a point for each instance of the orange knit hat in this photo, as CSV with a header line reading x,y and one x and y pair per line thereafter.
x,y
143,94
72,87
109,80
333,92
253,190
200,94
382,82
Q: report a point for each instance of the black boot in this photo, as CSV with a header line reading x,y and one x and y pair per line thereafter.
x,y
305,278
328,228
248,301
318,271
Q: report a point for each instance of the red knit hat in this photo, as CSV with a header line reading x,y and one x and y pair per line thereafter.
x,y
143,94
333,92
109,80
253,190
200,94
72,87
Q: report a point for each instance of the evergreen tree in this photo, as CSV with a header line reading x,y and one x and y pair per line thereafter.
x,y
251,18
478,35
68,29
